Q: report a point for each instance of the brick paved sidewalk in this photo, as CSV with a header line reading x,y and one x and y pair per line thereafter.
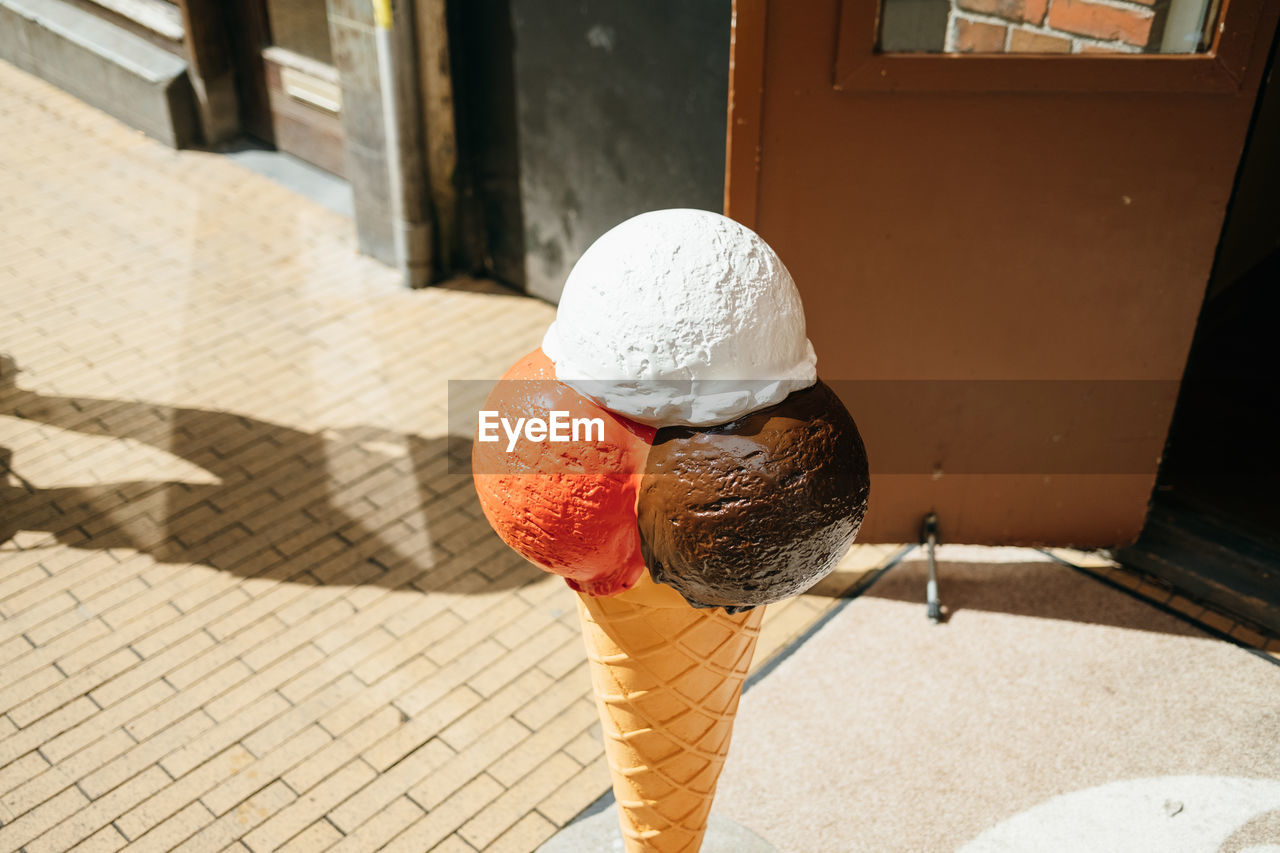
x,y
243,604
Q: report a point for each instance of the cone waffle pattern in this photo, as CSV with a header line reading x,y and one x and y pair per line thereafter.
x,y
667,682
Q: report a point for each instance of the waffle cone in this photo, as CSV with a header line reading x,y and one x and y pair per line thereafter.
x,y
667,680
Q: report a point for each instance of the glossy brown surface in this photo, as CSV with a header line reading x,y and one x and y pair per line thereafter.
x,y
756,510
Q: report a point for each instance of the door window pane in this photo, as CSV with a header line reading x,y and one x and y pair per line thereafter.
x,y
301,26
1047,26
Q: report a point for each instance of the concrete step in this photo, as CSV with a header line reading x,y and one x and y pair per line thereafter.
x,y
104,65
157,17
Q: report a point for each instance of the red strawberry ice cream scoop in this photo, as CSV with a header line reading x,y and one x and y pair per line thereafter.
x,y
568,505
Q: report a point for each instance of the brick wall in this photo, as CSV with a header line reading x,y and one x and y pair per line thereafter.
x,y
1051,26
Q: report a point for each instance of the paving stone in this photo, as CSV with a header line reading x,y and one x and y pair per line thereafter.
x,y
244,603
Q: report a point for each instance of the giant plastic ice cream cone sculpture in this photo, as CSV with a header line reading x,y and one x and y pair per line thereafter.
x,y
700,471
667,680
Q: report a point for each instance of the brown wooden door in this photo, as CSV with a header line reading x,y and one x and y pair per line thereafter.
x,y
303,93
1000,256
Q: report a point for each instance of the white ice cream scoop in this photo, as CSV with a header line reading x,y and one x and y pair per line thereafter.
x,y
681,317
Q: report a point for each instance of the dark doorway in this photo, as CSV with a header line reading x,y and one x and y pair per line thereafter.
x,y
576,116
1214,525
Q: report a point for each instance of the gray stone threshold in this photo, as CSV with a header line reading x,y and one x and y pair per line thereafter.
x,y
306,180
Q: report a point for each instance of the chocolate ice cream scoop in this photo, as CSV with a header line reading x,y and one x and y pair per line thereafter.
x,y
756,510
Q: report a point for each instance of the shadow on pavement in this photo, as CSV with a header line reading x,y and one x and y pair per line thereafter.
x,y
357,505
1045,590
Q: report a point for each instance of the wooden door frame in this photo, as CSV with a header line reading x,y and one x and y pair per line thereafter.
x,y
859,67
250,34
746,98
